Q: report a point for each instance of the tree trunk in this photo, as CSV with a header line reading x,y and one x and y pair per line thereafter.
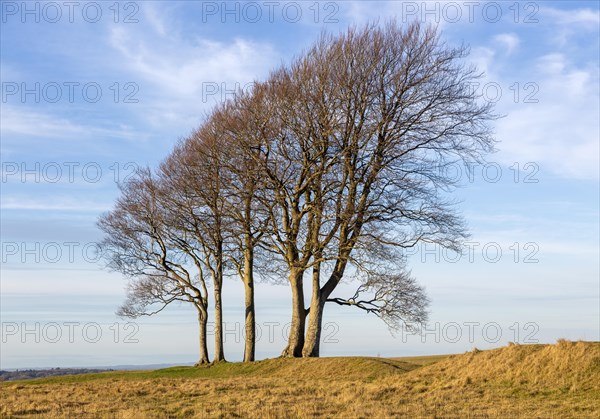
x,y
202,321
250,341
315,317
317,306
219,354
296,337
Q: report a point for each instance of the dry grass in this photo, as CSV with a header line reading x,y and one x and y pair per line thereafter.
x,y
534,381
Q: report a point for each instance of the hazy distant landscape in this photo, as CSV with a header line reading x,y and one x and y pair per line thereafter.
x,y
28,374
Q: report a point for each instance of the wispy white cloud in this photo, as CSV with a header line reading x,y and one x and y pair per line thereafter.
x,y
509,41
24,121
550,96
33,123
55,203
560,131
567,24
184,75
580,17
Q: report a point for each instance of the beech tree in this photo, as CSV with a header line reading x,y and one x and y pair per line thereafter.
x,y
242,124
230,139
327,169
292,160
143,243
367,120
192,176
409,110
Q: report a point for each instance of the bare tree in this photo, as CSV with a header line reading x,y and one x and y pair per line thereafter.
x,y
243,123
367,120
331,166
139,243
289,162
194,194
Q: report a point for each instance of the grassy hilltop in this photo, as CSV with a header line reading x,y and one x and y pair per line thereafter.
x,y
561,380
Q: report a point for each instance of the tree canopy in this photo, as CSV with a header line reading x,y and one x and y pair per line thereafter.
x,y
321,173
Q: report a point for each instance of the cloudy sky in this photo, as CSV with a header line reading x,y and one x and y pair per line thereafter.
x,y
92,90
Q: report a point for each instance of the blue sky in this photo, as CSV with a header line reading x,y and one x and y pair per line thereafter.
x,y
93,91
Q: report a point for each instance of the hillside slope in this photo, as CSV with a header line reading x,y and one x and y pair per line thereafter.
x,y
560,380
565,367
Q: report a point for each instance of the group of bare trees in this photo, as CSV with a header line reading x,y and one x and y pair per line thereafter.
x,y
323,172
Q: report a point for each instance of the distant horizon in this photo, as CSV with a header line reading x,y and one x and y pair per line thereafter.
x,y
131,367
259,358
100,367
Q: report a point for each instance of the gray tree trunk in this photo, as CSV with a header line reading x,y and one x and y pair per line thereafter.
x,y
202,321
219,353
250,340
296,337
317,306
315,319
